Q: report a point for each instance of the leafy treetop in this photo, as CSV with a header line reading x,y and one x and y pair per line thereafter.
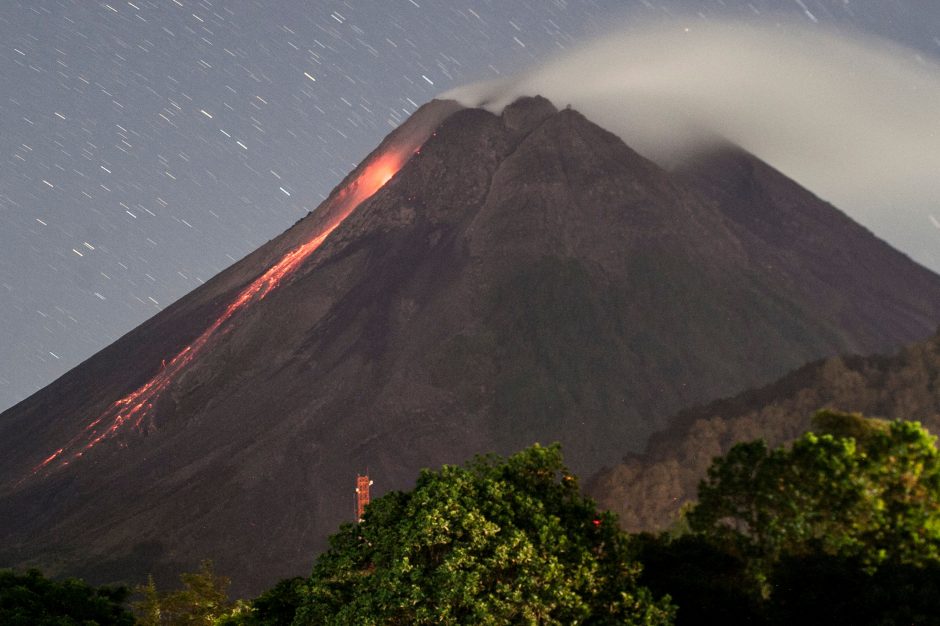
x,y
494,542
30,599
858,488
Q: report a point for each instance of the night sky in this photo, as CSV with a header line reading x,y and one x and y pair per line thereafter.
x,y
147,145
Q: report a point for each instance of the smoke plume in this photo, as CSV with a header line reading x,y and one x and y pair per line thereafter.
x,y
854,118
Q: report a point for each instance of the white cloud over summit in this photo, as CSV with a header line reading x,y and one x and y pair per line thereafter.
x,y
854,118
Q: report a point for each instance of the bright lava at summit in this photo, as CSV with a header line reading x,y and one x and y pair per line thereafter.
x,y
131,410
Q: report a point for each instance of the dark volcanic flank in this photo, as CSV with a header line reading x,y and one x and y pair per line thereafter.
x,y
523,277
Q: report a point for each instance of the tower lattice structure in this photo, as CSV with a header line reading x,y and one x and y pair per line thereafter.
x,y
362,495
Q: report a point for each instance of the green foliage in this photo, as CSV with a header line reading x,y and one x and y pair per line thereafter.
x,y
275,607
147,608
31,599
241,613
862,490
203,599
874,495
849,425
495,542
841,527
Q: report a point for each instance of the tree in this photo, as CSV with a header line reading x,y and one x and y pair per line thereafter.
x,y
825,589
275,607
707,584
863,489
30,599
147,608
203,599
494,542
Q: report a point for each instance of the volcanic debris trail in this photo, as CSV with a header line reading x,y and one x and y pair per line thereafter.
x,y
132,410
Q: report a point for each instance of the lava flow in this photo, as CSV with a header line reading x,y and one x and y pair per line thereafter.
x,y
131,410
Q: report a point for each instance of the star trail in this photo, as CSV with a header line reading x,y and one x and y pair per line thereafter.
x,y
147,145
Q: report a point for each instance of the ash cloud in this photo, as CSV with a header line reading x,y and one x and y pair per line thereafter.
x,y
854,118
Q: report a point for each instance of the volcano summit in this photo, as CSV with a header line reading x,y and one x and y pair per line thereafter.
x,y
479,283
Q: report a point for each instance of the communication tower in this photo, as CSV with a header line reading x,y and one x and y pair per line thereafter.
x,y
362,495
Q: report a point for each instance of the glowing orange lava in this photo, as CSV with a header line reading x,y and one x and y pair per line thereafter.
x,y
132,409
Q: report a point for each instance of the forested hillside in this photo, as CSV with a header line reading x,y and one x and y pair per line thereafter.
x,y
647,490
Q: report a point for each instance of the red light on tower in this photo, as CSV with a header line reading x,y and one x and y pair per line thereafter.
x,y
362,495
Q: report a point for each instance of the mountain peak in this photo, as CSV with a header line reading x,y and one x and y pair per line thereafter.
x,y
526,113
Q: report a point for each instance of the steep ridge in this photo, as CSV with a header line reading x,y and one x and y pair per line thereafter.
x,y
648,489
523,277
824,248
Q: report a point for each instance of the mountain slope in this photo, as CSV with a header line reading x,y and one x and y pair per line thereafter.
x,y
648,489
522,277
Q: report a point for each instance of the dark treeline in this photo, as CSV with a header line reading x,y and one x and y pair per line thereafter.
x,y
840,527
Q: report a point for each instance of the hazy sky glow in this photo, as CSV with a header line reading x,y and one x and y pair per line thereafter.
x,y
146,145
854,118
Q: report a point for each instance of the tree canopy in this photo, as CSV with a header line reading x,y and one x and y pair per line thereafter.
x,y
841,526
495,542
858,487
31,599
201,599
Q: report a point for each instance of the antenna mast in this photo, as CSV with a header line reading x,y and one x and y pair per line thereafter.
x,y
362,495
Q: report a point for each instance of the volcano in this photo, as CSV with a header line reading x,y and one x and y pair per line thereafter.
x,y
480,282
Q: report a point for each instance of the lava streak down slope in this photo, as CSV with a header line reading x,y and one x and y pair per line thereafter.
x,y
151,360
131,410
525,277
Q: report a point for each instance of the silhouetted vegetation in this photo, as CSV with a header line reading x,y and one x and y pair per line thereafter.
x,y
275,607
201,599
820,588
31,599
860,488
705,582
840,527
